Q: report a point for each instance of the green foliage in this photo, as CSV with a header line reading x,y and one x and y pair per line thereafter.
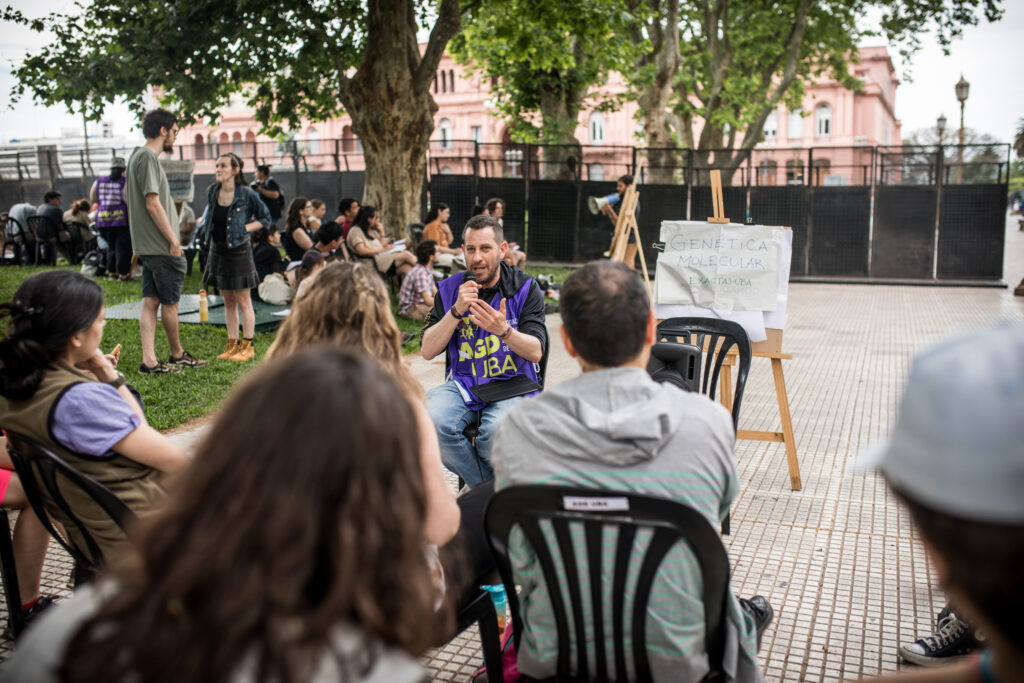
x,y
543,57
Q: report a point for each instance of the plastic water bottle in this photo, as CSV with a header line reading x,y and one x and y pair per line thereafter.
x,y
204,307
500,600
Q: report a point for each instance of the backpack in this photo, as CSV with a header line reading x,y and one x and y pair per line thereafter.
x,y
92,264
275,290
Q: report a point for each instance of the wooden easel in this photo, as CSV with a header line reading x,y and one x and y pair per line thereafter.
x,y
625,225
770,348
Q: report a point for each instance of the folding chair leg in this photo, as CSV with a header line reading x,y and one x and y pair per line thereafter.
x,y
10,574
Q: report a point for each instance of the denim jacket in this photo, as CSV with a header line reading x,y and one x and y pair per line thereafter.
x,y
245,207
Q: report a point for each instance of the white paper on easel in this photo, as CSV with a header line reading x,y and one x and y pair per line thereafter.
x,y
721,266
754,323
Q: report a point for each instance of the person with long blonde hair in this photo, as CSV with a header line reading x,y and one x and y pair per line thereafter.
x,y
347,306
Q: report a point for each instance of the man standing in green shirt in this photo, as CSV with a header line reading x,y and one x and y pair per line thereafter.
x,y
153,221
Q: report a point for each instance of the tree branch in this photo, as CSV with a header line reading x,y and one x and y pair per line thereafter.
x,y
445,28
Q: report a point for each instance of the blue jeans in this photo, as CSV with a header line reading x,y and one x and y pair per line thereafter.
x,y
451,416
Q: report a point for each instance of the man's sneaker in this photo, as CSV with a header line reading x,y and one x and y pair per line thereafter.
x,y
158,369
759,608
187,360
952,641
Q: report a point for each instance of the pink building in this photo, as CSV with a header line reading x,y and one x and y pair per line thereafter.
x,y
830,117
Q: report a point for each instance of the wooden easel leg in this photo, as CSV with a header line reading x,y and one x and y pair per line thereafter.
x,y
725,387
787,424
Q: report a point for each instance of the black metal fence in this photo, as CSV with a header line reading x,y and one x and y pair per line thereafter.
x,y
922,213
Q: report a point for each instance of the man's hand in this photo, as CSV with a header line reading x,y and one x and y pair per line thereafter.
x,y
176,250
467,295
482,315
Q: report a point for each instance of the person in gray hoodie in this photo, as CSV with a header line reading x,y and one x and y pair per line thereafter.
x,y
613,428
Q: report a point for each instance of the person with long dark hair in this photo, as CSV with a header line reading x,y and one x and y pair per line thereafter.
x,y
286,554
297,239
232,212
366,238
112,218
58,388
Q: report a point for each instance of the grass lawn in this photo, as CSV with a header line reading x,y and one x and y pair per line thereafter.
x,y
176,398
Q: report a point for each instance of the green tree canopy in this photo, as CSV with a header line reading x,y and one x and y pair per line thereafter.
x,y
292,59
543,59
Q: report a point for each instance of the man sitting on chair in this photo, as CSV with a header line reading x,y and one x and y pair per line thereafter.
x,y
490,320
613,428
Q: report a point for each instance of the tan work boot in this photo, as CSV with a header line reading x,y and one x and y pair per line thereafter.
x,y
231,349
243,352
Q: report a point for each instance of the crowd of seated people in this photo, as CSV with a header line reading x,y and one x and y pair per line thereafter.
x,y
322,549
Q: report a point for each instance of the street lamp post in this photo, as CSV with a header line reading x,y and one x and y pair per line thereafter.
x,y
962,88
940,126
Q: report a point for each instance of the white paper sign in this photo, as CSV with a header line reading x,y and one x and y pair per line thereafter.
x,y
588,504
722,266
179,177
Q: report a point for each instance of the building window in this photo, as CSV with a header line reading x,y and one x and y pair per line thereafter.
x,y
823,121
200,147
236,143
447,170
477,133
348,141
444,84
885,135
766,172
444,129
451,80
794,172
596,128
771,126
596,171
313,141
821,171
435,83
795,125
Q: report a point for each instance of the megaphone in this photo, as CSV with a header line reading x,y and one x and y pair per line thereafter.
x,y
595,204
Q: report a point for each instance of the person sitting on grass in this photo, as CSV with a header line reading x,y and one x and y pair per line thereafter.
x,y
59,389
416,297
437,229
955,460
285,554
312,261
265,252
329,240
366,239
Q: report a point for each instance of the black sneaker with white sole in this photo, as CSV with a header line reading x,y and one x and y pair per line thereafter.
x,y
158,369
187,360
953,640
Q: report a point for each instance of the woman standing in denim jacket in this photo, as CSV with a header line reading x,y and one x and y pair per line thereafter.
x,y
232,212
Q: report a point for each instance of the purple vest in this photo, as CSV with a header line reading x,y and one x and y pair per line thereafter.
x,y
112,211
477,356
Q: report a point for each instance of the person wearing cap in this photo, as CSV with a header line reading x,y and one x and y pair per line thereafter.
x,y
112,219
53,222
956,460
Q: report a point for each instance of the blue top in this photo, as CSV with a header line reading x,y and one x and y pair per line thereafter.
x,y
91,417
245,208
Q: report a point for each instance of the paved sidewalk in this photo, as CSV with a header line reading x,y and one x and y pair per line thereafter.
x,y
837,560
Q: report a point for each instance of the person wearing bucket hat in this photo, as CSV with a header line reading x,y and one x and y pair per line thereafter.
x,y
112,219
955,459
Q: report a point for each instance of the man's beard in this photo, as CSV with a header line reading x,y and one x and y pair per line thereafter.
x,y
491,273
168,146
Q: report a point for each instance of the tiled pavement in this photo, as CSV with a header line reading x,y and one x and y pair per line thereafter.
x,y
837,560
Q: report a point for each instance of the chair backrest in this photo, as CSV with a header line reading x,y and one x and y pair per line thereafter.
x,y
715,338
39,470
564,507
43,228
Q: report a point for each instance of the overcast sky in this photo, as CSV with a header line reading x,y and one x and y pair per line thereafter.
x,y
990,56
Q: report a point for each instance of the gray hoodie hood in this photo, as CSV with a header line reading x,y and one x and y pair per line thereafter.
x,y
618,417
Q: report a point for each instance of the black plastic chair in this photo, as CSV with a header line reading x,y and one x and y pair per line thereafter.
x,y
715,338
12,594
46,236
670,522
41,470
675,363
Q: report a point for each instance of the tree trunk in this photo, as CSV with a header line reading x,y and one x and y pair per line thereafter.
x,y
662,159
560,157
392,109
